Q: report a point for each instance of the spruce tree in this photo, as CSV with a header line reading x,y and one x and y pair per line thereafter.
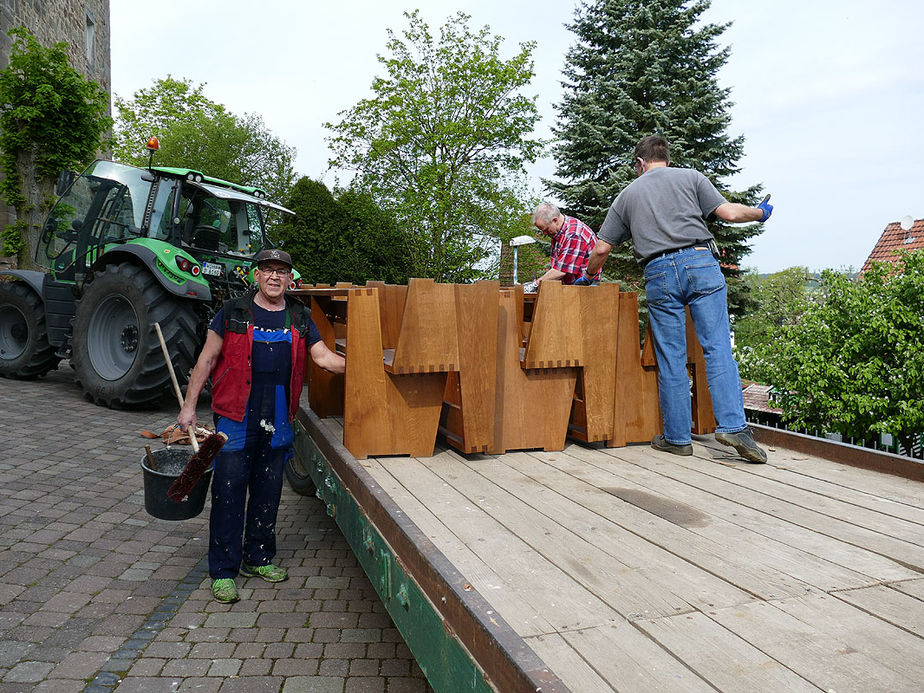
x,y
644,67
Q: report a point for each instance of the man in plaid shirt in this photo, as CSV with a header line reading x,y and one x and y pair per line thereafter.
x,y
572,241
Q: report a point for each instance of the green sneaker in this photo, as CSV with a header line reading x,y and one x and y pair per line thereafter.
x,y
224,590
269,572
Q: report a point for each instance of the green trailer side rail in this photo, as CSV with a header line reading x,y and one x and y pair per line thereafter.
x,y
461,643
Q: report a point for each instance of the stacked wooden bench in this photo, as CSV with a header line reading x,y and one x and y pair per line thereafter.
x,y
490,368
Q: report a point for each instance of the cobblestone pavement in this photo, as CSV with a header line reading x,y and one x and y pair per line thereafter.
x,y
98,596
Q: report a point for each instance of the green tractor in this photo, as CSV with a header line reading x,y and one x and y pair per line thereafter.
x,y
123,248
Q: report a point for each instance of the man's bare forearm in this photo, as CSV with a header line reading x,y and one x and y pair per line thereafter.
x,y
597,257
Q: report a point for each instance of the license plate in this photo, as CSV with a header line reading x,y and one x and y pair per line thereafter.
x,y
211,269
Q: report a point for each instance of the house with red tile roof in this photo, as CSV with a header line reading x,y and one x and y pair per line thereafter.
x,y
896,238
757,404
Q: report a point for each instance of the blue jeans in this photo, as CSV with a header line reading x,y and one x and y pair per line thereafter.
x,y
257,470
692,278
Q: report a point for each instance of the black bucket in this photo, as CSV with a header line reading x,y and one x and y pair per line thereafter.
x,y
170,463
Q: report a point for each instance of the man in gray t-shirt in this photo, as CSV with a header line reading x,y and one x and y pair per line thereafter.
x,y
665,211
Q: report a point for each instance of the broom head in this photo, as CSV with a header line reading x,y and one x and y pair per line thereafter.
x,y
196,467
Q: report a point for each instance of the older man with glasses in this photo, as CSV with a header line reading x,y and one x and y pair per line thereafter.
x,y
256,354
572,241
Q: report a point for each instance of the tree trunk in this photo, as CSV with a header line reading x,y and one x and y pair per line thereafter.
x,y
39,194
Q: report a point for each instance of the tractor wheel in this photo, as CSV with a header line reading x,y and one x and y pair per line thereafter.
x,y
24,349
298,478
115,352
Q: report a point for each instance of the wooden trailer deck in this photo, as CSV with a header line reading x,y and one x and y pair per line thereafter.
x,y
627,569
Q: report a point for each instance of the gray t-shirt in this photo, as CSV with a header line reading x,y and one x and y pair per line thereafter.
x,y
663,209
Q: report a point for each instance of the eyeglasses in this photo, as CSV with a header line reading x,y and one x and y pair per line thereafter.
x,y
278,271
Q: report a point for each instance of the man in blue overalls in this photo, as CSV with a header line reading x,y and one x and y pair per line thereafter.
x,y
256,354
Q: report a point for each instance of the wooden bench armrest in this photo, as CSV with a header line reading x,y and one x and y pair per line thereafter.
x,y
388,355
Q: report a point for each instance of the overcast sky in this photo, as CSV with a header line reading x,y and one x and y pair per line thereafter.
x,y
829,94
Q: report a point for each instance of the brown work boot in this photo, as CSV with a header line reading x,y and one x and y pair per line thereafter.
x,y
659,442
744,443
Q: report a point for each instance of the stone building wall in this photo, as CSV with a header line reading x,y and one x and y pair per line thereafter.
x,y
82,24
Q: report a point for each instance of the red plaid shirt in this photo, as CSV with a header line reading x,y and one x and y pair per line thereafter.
x,y
571,248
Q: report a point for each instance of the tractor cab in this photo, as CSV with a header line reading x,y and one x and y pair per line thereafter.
x,y
220,226
105,204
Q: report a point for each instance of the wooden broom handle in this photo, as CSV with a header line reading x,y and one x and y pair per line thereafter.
x,y
176,385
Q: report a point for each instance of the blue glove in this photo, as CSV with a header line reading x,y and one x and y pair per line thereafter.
x,y
766,207
584,281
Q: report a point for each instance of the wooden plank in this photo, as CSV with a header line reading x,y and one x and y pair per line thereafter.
x,y
889,487
856,639
636,414
525,616
570,666
476,327
554,339
649,358
414,404
532,407
523,568
391,308
823,561
675,581
427,339
727,661
631,661
701,401
858,490
914,588
867,633
466,616
629,590
816,517
890,605
599,326
365,422
743,558
830,643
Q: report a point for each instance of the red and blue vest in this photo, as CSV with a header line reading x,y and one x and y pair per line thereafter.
x,y
232,373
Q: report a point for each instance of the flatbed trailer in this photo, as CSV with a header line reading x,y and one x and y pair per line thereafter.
x,y
627,569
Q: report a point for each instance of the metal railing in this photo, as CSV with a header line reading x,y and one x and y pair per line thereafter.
x,y
883,442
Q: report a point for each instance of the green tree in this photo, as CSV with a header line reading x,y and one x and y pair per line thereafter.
x,y
640,68
51,119
151,111
443,142
779,299
195,132
346,237
854,364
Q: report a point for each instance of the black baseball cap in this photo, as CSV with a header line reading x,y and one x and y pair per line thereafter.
x,y
275,254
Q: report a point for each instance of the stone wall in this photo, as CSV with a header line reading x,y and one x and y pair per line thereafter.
x,y
70,21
